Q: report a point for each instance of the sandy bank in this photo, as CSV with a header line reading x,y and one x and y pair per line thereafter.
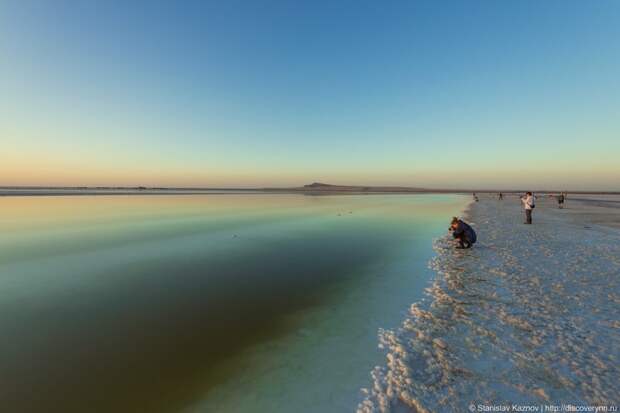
x,y
530,316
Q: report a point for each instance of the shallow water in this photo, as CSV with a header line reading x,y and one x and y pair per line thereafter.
x,y
205,302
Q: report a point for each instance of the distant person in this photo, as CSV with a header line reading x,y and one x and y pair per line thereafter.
x,y
528,205
561,200
475,196
462,232
500,196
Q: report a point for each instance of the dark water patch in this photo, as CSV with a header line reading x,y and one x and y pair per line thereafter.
x,y
160,332
157,304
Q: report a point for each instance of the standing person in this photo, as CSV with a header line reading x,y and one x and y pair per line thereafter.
x,y
501,196
463,232
528,205
475,196
561,200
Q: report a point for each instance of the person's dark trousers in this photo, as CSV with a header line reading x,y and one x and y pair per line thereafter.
x,y
464,242
528,216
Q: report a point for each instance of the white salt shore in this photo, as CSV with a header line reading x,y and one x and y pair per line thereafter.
x,y
529,316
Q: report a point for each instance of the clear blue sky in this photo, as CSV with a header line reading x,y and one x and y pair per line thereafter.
x,y
439,93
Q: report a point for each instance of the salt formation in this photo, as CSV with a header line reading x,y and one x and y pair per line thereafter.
x,y
530,315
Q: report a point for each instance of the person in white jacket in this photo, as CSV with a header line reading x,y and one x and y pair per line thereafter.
x,y
528,205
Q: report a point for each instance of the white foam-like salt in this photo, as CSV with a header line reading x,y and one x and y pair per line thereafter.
x,y
530,315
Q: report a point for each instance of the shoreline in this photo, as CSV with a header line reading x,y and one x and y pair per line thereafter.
x,y
311,190
529,316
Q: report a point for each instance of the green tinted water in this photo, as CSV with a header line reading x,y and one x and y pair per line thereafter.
x,y
228,302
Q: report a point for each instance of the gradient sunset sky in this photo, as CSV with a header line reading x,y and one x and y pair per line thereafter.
x,y
487,94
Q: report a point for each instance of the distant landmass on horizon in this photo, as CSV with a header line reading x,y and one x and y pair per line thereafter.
x,y
313,188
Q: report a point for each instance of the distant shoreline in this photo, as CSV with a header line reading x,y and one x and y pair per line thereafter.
x,y
312,189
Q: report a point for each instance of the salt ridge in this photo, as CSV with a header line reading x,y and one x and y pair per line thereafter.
x,y
530,316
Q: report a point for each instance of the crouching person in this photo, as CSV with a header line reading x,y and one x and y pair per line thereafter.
x,y
463,232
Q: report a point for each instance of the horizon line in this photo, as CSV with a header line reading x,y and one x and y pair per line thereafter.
x,y
315,187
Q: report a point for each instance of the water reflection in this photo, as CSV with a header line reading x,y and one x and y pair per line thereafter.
x,y
139,303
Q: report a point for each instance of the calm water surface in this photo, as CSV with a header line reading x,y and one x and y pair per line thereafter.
x,y
200,303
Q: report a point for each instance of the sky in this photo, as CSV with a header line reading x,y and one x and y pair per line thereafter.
x,y
443,94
